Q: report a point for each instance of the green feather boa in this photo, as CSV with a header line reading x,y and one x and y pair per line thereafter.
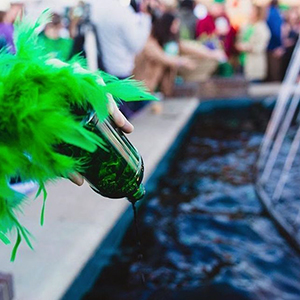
x,y
35,115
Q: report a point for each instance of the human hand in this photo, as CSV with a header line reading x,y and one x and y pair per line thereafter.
x,y
278,52
187,63
77,179
219,55
121,122
119,119
117,116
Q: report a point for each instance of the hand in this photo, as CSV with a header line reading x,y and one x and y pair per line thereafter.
x,y
77,179
219,55
113,109
187,63
278,52
120,121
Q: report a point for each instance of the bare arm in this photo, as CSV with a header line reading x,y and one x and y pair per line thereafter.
x,y
154,52
200,51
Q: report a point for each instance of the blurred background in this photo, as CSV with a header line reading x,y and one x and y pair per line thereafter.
x,y
221,219
232,38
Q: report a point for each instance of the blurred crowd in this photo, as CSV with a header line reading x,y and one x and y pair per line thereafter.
x,y
163,42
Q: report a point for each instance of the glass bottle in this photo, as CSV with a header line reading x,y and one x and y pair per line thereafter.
x,y
116,171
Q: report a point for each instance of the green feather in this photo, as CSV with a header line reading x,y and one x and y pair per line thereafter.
x,y
16,246
4,239
43,189
127,89
36,114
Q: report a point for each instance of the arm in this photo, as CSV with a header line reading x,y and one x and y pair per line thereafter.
x,y
200,51
286,41
154,52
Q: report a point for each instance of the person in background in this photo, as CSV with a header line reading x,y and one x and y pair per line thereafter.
x,y
217,24
207,26
156,7
157,64
167,5
16,11
122,34
188,19
50,38
290,36
275,47
6,27
216,32
84,33
161,57
252,44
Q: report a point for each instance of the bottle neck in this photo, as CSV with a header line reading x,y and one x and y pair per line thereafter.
x,y
139,194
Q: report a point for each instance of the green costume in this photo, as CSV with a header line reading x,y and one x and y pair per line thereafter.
x,y
36,100
57,48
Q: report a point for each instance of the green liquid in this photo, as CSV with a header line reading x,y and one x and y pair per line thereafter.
x,y
116,172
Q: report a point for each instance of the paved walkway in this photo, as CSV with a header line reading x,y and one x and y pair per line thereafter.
x,y
77,219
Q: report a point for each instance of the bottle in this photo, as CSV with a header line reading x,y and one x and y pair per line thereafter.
x,y
116,171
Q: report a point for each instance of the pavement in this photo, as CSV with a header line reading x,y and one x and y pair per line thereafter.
x,y
77,219
260,90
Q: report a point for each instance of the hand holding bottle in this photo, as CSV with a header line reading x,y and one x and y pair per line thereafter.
x,y
121,121
117,116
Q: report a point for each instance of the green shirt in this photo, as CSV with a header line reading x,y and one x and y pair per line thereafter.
x,y
57,48
247,34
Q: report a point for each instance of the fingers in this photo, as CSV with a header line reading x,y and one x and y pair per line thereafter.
x,y
128,127
122,122
119,119
76,178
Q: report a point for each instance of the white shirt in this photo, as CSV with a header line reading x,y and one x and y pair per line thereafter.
x,y
122,34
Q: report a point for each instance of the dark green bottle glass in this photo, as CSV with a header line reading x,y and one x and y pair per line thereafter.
x,y
117,171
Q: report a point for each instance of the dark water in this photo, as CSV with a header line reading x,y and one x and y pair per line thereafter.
x,y
139,249
204,232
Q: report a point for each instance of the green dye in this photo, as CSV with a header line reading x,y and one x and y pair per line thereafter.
x,y
116,171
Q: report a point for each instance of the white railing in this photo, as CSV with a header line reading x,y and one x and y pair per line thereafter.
x,y
279,153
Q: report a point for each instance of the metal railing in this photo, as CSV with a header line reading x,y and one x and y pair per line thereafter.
x,y
279,156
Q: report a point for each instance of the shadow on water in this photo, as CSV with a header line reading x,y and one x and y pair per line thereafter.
x,y
204,232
